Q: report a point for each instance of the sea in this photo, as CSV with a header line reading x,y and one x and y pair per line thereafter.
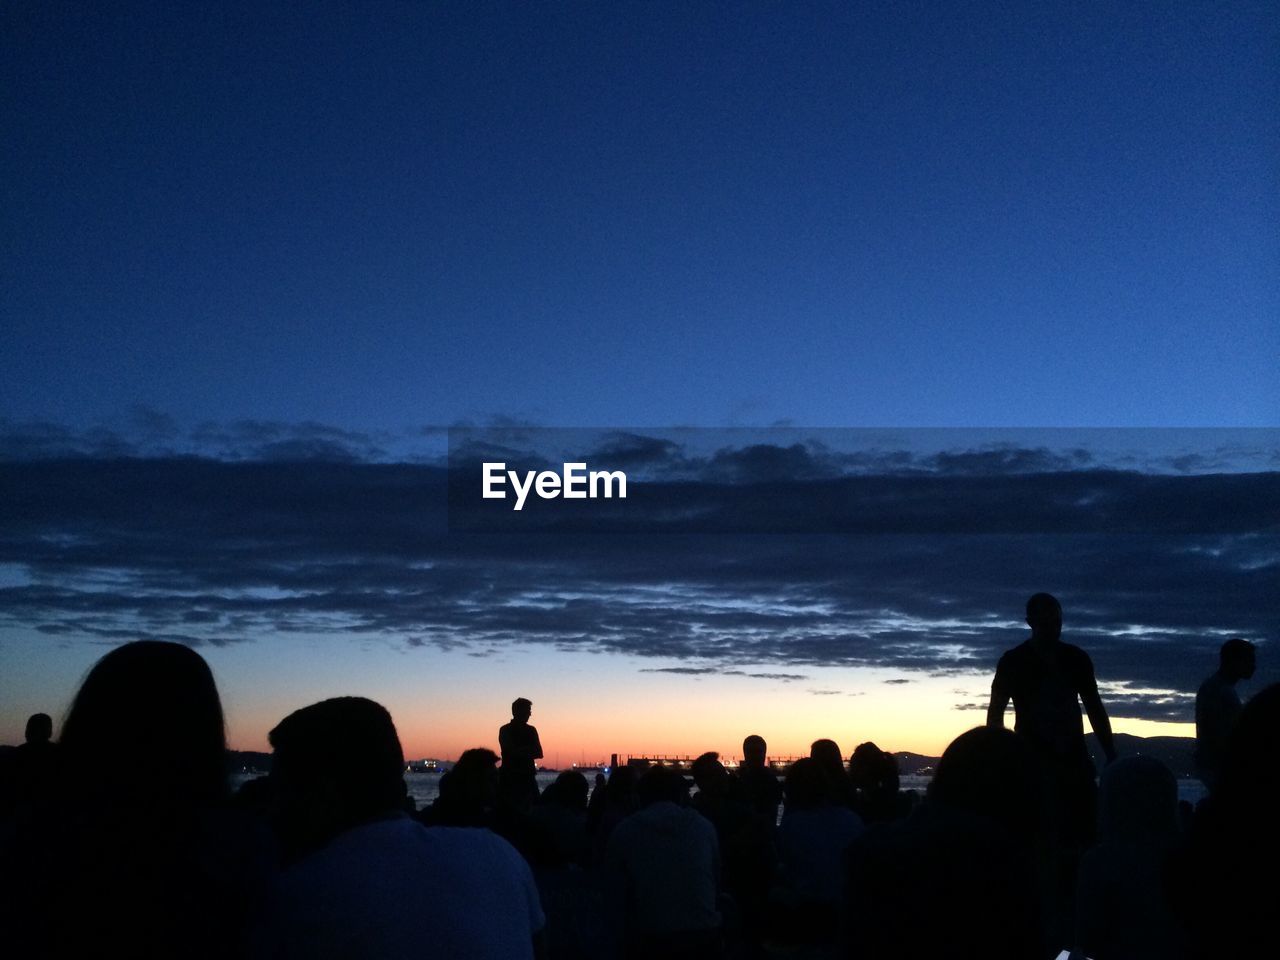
x,y
425,787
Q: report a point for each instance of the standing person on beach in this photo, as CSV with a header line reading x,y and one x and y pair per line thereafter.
x,y
759,780
521,749
1047,680
1218,705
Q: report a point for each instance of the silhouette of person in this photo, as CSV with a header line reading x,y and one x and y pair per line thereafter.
x,y
468,792
874,775
1047,679
759,781
958,876
664,862
366,879
39,730
33,764
1227,886
139,855
1218,705
831,761
750,860
812,839
521,749
1123,905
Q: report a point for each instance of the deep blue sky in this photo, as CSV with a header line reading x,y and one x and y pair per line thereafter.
x,y
306,232
375,216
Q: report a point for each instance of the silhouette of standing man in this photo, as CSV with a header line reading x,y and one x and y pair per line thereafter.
x,y
1218,705
520,747
1047,680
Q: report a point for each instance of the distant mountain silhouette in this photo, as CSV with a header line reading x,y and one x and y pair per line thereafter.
x,y
915,764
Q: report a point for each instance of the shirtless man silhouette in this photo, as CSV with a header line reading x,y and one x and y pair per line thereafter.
x,y
1047,680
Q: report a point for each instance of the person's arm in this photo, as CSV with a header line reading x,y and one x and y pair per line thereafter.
x,y
999,698
537,744
1098,718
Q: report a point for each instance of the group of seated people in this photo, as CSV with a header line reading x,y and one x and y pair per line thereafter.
x,y
126,841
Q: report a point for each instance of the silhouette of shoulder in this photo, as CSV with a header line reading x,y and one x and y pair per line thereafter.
x,y
376,888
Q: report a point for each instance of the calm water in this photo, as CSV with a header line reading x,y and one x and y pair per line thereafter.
x,y
425,787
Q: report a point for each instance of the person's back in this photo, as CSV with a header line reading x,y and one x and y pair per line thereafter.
x,y
1226,893
957,878
396,890
1048,680
1217,707
668,861
363,879
1123,906
813,837
759,781
940,883
1045,686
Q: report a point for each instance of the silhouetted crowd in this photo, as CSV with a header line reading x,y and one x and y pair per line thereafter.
x,y
123,839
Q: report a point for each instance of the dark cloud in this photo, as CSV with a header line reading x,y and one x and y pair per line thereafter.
x,y
633,451
783,677
1154,571
996,461
720,671
1076,502
150,433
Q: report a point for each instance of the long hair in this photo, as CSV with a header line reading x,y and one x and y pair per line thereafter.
x,y
147,725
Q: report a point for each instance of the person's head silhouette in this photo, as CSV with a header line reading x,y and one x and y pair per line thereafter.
x,y
827,753
1044,617
39,728
709,774
521,709
146,724
807,785
871,768
754,750
337,764
992,772
1237,659
569,790
470,789
662,784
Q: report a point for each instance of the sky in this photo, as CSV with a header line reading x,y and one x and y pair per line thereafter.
x,y
256,259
